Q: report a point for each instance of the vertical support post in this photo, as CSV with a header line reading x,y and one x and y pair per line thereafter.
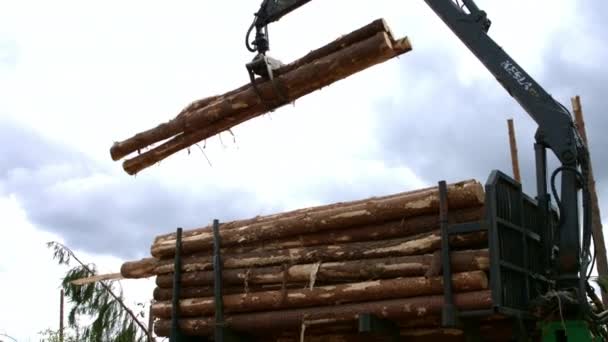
x,y
61,295
177,284
448,313
514,154
217,283
569,232
596,218
543,199
150,323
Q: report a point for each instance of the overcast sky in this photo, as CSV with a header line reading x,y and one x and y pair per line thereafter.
x,y
76,77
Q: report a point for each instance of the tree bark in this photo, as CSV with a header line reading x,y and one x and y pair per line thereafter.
x,y
372,232
464,194
170,237
162,294
333,272
232,110
292,319
176,125
325,295
514,154
415,245
596,218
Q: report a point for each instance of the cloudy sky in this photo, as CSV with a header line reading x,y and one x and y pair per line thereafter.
x,y
76,77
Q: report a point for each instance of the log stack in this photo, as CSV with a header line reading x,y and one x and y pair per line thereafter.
x,y
359,50
324,266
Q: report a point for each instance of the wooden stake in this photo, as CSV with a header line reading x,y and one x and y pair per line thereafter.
x,y
596,218
150,323
514,156
61,316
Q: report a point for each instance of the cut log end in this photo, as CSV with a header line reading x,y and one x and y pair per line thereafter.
x,y
402,45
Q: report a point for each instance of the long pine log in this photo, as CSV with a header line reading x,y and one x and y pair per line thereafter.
x,y
325,295
333,272
464,194
292,319
415,245
237,108
178,124
170,237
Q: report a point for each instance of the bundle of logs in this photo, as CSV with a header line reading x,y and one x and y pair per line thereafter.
x,y
207,117
317,269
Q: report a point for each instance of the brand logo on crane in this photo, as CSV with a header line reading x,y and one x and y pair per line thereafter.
x,y
518,75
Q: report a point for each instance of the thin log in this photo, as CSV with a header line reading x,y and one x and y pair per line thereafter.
x,y
240,107
596,218
464,194
513,148
94,279
325,295
176,125
415,245
333,272
292,319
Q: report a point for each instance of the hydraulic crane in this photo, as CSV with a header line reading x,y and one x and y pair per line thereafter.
x,y
566,256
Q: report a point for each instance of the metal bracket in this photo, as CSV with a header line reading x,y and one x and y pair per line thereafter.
x,y
372,324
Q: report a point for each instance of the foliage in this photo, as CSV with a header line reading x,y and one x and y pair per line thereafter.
x,y
49,335
603,283
111,319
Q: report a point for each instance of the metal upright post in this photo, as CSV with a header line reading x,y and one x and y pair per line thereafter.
x,y
217,283
177,282
449,313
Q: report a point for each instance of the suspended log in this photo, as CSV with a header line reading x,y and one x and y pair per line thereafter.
x,y
177,125
415,245
238,107
292,319
460,195
325,295
333,272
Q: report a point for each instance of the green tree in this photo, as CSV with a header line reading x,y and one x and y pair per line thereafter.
x,y
112,320
50,335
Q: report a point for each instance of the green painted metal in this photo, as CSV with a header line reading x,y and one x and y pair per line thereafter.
x,y
568,331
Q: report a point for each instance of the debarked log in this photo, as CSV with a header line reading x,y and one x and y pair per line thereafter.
x,y
463,194
239,107
415,245
333,272
325,295
178,124
292,319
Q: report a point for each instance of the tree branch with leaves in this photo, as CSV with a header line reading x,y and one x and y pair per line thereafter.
x,y
112,319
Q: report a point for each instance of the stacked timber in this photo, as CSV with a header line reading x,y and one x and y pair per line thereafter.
x,y
321,267
361,49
